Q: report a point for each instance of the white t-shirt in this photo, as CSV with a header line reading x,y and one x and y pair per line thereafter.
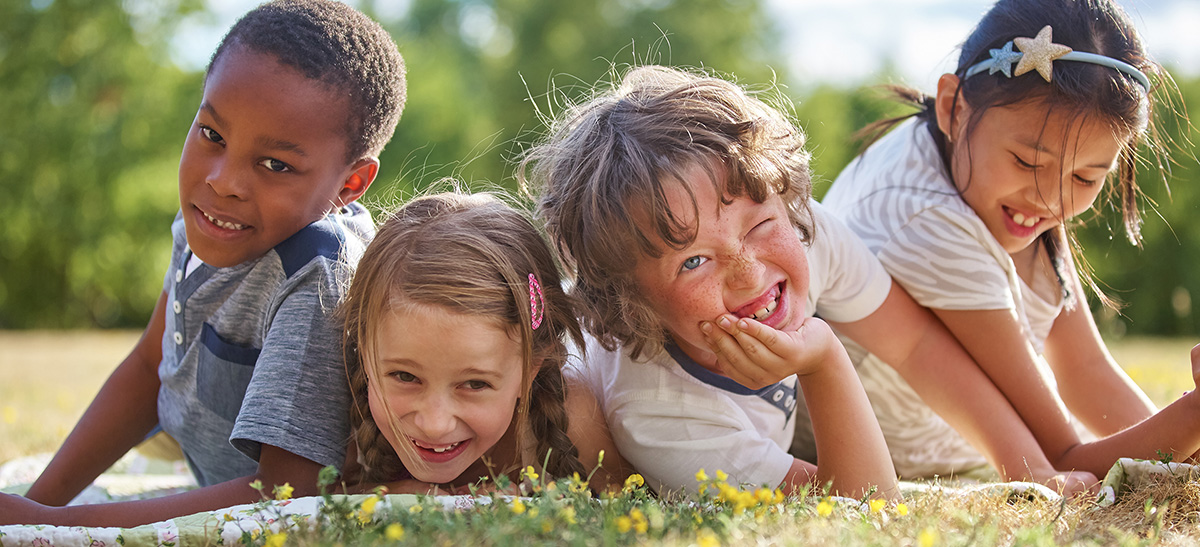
x,y
899,199
671,417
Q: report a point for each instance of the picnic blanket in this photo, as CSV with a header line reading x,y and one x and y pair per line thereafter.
x,y
243,523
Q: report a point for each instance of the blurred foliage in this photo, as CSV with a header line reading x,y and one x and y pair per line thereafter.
x,y
94,113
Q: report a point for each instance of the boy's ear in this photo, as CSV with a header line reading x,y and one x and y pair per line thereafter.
x,y
362,174
950,107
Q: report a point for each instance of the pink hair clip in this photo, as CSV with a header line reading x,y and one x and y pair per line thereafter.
x,y
537,302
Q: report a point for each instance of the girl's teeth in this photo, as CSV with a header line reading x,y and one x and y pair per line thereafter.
x,y
223,224
765,312
1027,222
443,449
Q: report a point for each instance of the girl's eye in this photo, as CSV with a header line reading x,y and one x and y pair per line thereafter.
x,y
1085,182
1024,164
275,165
476,384
405,377
211,135
694,262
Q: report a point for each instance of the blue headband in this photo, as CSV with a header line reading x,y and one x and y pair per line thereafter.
x,y
1038,54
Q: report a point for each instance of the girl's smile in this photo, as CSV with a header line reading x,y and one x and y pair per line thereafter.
x,y
450,382
1025,168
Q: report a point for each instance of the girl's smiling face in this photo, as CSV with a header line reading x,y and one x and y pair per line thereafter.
x,y
747,260
449,382
1025,169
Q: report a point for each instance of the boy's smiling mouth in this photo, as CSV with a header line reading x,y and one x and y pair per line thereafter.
x,y
223,224
761,310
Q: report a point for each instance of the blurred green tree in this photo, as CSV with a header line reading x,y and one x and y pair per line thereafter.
x,y
92,113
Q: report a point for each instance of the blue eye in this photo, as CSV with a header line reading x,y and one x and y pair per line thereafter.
x,y
275,165
694,262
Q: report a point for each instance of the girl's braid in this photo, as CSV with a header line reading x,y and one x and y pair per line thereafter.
x,y
548,421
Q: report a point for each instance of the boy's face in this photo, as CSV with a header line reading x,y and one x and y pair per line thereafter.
x,y
747,260
264,158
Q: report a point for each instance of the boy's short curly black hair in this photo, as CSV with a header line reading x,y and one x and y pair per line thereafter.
x,y
339,46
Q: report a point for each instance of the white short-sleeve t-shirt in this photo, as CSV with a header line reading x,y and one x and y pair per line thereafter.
x,y
670,417
900,200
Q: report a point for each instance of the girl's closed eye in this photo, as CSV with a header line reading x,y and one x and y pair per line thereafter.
x,y
1024,164
276,166
692,263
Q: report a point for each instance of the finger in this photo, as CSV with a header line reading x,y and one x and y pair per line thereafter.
x,y
731,359
751,357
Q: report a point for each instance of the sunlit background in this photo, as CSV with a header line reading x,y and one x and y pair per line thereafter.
x,y
97,95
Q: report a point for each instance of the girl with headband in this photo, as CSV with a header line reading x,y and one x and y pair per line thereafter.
x,y
969,206
456,333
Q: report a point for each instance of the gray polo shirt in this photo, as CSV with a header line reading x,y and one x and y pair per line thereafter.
x,y
251,354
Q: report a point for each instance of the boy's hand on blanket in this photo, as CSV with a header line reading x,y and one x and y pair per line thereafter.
x,y
755,355
21,510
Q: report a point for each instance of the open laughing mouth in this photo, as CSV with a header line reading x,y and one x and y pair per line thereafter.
x,y
762,311
439,452
1021,220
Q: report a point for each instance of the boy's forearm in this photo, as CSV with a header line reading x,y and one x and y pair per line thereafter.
x,y
276,467
120,416
850,446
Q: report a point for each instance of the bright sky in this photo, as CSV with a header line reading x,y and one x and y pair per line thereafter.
x,y
846,41
841,41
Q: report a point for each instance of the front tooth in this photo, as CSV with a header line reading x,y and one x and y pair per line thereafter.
x,y
1019,218
1029,222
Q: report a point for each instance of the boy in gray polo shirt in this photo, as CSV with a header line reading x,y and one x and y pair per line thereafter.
x,y
240,361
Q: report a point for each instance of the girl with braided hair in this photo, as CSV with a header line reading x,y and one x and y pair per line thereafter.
x,y
456,331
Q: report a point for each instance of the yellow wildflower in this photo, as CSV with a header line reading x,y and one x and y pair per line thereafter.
x,y
901,509
640,524
228,517
706,538
633,481
577,484
257,485
927,538
624,523
416,509
367,509
546,527
276,540
722,476
568,514
517,506
876,505
284,491
701,476
824,508
530,473
394,532
600,459
778,496
764,496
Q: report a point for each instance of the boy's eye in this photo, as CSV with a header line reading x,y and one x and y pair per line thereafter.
x,y
275,165
694,262
476,384
211,135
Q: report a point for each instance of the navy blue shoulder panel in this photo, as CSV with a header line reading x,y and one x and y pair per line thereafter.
x,y
321,238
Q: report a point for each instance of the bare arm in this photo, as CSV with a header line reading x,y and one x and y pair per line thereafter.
x,y
1094,387
915,343
850,445
276,467
121,415
589,431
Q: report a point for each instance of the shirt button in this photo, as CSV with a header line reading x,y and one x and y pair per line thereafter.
x,y
177,307
178,338
179,275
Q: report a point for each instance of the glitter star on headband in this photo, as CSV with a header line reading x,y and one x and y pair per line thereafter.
x,y
1039,53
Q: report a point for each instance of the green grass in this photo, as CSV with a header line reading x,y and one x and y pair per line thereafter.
x,y
48,378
